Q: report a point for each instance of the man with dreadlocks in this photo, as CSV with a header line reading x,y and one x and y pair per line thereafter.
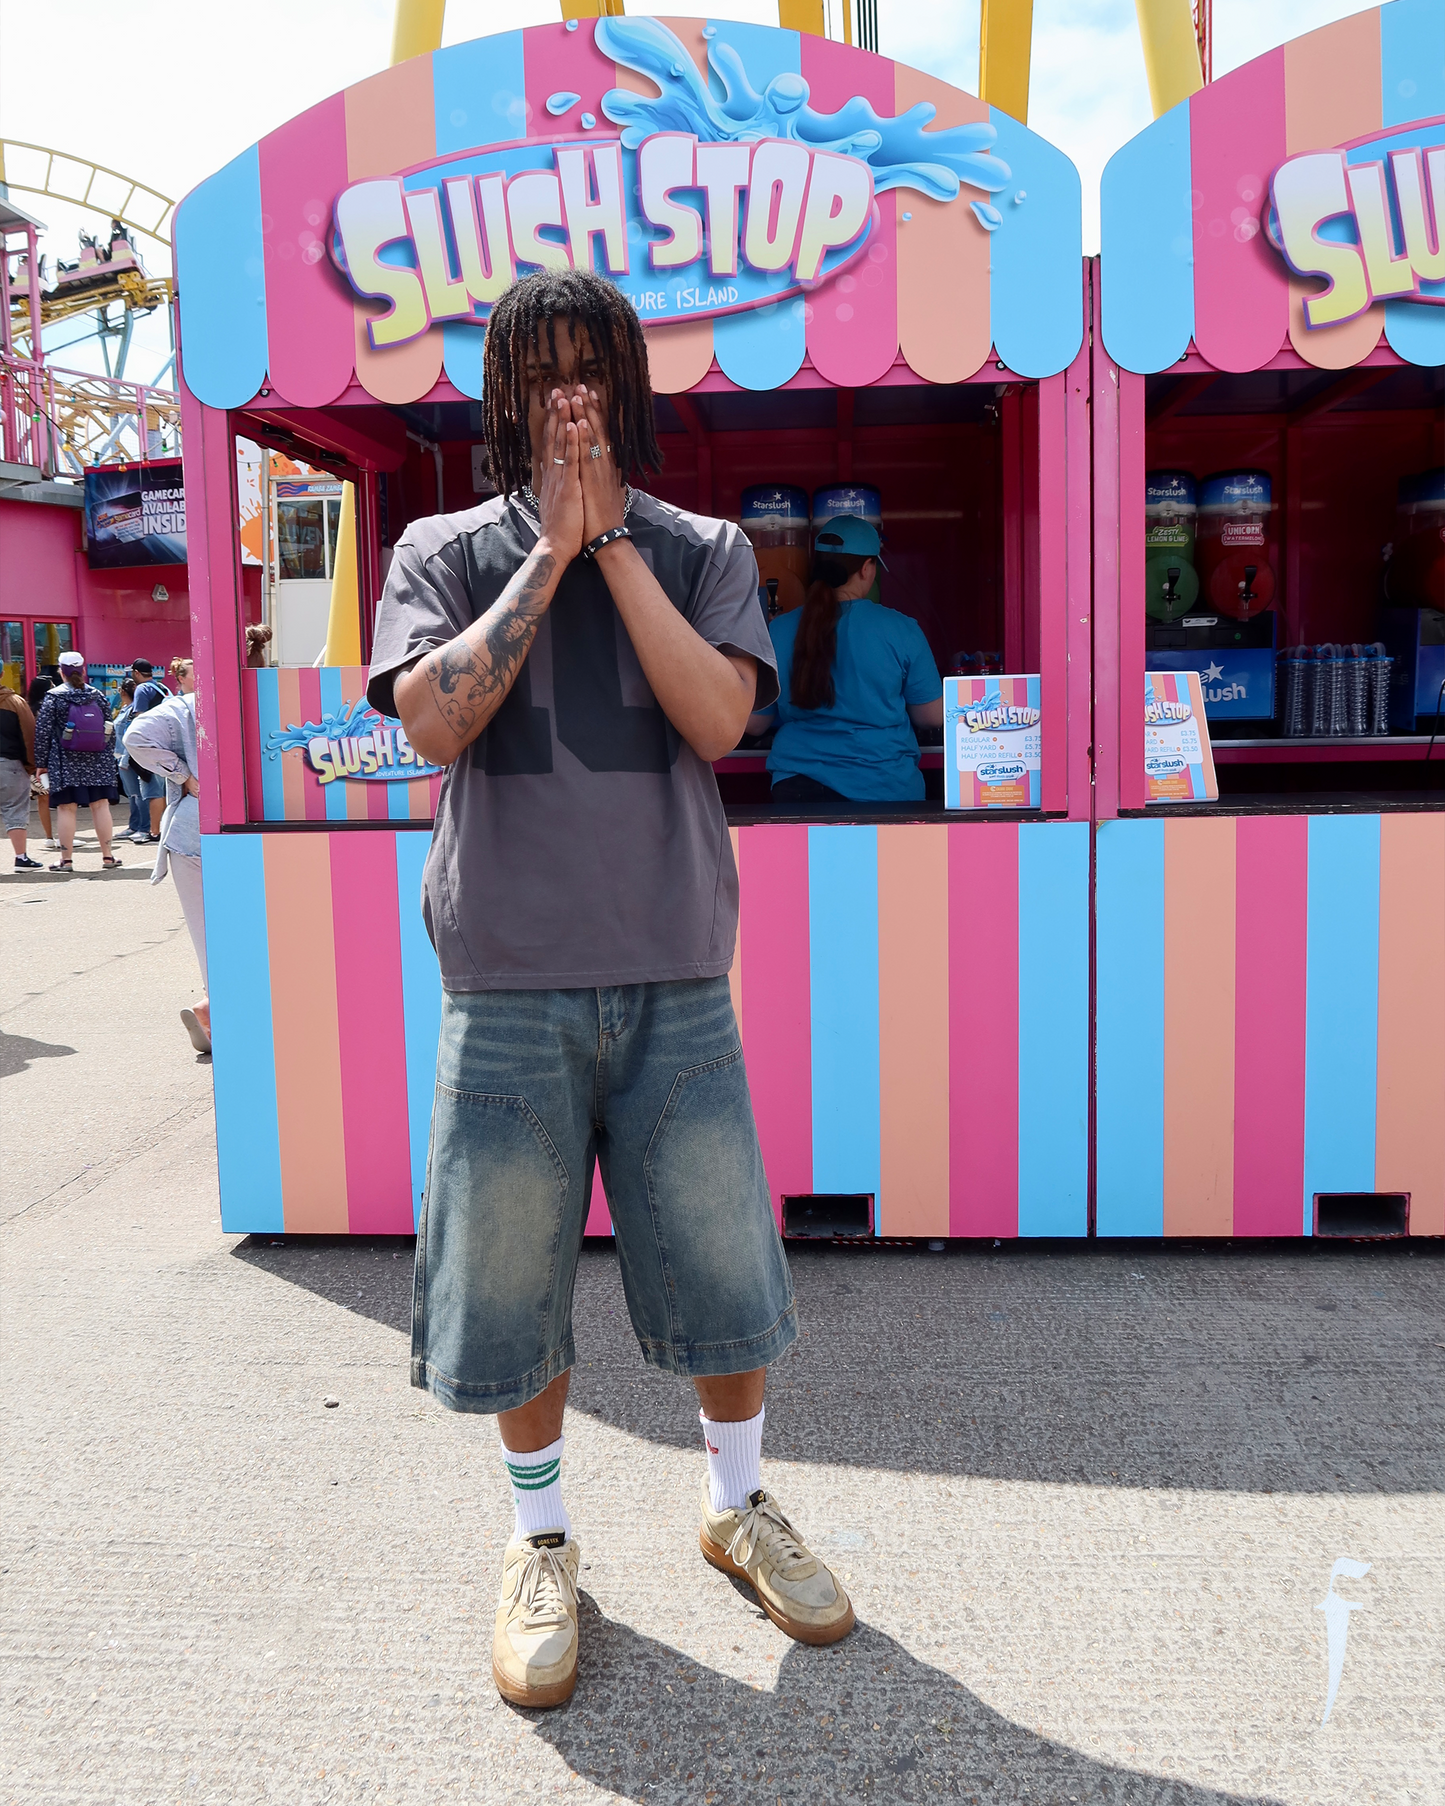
x,y
575,653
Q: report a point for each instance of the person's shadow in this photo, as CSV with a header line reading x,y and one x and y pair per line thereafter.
x,y
862,1720
17,1051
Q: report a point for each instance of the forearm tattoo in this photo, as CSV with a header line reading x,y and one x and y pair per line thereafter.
x,y
468,681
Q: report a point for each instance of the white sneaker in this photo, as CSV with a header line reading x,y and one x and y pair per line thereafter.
x,y
534,1641
51,846
793,1587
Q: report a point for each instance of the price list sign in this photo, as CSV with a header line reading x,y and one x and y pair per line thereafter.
x,y
1178,761
992,743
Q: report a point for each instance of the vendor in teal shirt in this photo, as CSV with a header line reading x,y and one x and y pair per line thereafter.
x,y
854,680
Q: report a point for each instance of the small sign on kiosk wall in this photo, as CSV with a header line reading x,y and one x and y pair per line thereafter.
x,y
992,743
1178,761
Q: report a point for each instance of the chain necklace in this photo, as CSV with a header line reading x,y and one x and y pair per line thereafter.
x,y
530,499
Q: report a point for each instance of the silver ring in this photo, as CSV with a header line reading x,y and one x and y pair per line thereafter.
x,y
596,451
559,460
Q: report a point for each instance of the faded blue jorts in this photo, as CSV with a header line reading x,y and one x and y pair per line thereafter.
x,y
532,1087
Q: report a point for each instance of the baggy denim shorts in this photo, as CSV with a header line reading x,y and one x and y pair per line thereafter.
x,y
533,1087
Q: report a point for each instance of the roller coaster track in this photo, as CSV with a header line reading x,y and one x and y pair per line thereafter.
x,y
38,170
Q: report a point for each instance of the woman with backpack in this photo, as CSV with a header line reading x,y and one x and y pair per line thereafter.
x,y
70,743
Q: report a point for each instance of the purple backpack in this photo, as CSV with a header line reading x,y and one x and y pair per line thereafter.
x,y
84,729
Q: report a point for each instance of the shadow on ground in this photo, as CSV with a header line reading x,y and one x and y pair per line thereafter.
x,y
863,1720
1296,1368
17,1051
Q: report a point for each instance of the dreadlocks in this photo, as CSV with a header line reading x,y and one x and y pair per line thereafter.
x,y
527,309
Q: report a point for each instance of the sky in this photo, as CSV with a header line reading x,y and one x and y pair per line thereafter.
x,y
166,94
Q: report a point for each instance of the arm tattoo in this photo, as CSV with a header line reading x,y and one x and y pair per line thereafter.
x,y
469,682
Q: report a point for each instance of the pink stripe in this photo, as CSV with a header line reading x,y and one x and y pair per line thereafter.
x,y
558,61
372,1033
853,319
1271,865
599,1217
308,310
378,806
983,1023
1128,708
251,733
308,701
1241,286
1053,592
1079,605
777,1004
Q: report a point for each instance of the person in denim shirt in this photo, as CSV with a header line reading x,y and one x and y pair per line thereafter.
x,y
164,739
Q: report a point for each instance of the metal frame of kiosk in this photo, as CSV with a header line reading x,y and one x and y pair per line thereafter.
x,y
912,991
1270,974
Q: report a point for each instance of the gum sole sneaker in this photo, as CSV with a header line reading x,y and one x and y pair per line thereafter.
x,y
793,1587
534,1644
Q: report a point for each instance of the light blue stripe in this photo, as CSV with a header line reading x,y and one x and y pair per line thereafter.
x,y
1412,86
1146,229
243,1070
421,998
843,972
480,94
1129,1028
332,704
398,802
1036,257
1053,1028
268,722
221,277
1342,993
761,349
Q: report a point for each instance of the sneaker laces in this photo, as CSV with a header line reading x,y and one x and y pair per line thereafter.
x,y
763,1527
543,1587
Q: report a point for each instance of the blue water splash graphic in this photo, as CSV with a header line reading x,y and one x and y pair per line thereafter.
x,y
988,217
558,104
588,121
727,108
356,721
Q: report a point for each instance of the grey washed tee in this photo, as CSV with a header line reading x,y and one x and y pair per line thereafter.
x,y
579,840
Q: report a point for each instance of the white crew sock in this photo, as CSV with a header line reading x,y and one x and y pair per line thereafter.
x,y
537,1489
734,1460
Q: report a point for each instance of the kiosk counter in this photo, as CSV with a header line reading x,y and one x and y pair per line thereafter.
x,y
1270,514
850,273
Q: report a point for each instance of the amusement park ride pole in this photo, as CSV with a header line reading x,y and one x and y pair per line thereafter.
x,y
1171,41
1005,34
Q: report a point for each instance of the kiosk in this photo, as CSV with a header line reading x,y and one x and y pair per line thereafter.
x,y
1270,327
850,273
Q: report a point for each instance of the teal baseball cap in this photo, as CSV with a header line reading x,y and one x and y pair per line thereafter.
x,y
851,535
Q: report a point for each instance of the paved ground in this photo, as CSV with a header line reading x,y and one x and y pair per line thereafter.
x,y
1087,1502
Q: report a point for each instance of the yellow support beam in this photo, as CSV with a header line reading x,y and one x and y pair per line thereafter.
x,y
802,15
1005,41
591,9
1171,52
416,28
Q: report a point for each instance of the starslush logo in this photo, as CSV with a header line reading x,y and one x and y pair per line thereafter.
x,y
1165,765
711,199
358,743
1374,229
1002,774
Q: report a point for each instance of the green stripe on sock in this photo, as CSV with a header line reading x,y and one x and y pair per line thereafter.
x,y
534,1479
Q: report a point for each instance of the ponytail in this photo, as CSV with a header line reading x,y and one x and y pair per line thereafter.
x,y
816,645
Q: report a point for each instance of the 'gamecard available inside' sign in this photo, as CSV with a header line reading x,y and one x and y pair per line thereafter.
x,y
992,743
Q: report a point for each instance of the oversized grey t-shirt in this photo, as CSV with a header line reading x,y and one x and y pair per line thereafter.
x,y
579,840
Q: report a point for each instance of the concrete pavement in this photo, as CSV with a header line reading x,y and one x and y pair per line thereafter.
x,y
1087,1501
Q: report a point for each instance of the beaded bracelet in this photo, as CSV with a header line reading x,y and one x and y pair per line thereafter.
x,y
594,546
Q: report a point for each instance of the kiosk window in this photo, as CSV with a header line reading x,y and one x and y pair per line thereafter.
x,y
51,639
12,655
306,532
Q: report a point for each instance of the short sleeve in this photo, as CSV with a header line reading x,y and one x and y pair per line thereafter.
x,y
423,606
921,682
726,612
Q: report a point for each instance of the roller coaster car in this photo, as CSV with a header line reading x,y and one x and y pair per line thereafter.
x,y
20,278
98,266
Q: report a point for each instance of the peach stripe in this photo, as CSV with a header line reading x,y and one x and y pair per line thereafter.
x,y
293,761
418,799
1199,1026
678,356
1331,95
913,1029
943,255
305,1033
735,974
1410,1069
390,126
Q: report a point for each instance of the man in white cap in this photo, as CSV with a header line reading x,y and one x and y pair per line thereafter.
x,y
70,744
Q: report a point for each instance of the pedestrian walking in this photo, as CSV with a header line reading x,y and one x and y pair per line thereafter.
x,y
70,743
150,692
17,767
165,738
582,897
39,689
